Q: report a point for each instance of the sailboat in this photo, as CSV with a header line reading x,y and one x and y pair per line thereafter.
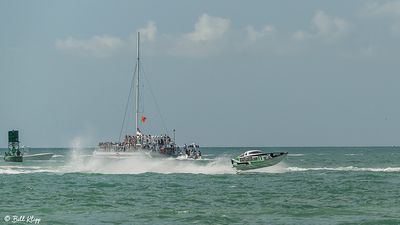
x,y
152,145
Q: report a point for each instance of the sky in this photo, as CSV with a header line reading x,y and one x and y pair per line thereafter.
x,y
221,73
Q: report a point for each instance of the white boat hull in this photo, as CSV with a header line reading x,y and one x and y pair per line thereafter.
x,y
130,154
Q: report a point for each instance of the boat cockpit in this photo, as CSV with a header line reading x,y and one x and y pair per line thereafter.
x,y
251,153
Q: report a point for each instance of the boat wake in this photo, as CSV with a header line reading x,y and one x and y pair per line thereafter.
x,y
295,155
138,163
278,168
77,162
142,164
25,169
347,168
220,165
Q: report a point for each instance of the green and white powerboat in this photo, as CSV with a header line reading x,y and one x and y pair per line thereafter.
x,y
255,159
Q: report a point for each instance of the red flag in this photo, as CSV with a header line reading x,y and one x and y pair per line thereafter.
x,y
143,119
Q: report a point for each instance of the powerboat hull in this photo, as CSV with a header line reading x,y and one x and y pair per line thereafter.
x,y
258,161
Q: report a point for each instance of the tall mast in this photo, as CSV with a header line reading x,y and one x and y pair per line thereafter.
x,y
137,85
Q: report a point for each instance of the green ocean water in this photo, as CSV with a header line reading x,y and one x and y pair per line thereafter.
x,y
329,185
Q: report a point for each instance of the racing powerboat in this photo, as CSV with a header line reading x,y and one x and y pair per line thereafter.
x,y
255,159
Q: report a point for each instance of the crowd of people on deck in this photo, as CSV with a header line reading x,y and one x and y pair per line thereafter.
x,y
157,143
151,142
192,151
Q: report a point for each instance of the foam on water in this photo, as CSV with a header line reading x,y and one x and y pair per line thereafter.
x,y
140,163
12,169
347,168
278,168
166,166
296,155
79,161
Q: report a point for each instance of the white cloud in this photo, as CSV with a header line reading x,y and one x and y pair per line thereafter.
x,y
211,36
104,45
149,32
100,46
390,9
254,35
209,28
325,27
208,38
329,26
300,35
